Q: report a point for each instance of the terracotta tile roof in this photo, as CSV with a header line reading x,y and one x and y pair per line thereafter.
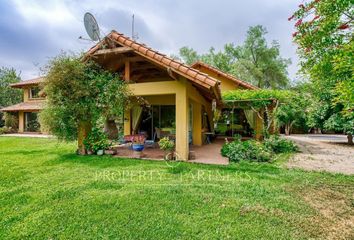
x,y
226,75
192,74
24,106
34,81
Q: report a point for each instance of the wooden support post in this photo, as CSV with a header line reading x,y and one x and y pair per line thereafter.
x,y
127,71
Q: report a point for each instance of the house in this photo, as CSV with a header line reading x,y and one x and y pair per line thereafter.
x,y
179,100
27,111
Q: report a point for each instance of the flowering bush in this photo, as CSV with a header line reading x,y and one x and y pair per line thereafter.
x,y
166,144
138,139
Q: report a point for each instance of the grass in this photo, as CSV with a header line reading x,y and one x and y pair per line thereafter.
x,y
47,192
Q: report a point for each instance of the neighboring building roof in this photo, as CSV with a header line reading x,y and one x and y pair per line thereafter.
x,y
226,75
195,76
24,106
34,81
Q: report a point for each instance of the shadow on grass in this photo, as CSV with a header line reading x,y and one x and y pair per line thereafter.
x,y
99,161
24,152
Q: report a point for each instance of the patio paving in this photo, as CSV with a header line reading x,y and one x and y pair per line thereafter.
x,y
207,154
210,153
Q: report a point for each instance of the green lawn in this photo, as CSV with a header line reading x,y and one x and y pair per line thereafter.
x,y
47,192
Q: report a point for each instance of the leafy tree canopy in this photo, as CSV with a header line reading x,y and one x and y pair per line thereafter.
x,y
80,92
257,98
325,45
254,61
8,95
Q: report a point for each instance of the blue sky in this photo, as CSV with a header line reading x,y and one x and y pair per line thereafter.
x,y
31,32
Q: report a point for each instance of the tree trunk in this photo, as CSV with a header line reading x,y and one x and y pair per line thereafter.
x,y
84,129
111,129
287,129
350,139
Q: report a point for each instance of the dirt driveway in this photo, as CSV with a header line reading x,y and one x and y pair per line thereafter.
x,y
320,152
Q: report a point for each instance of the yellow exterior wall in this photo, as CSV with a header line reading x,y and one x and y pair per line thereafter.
x,y
161,99
25,94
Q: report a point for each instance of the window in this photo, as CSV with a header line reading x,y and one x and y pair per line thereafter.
x,y
34,92
31,122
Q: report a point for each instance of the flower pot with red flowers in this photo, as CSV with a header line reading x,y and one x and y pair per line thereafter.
x,y
138,142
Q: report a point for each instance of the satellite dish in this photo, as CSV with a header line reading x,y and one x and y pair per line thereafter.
x,y
91,27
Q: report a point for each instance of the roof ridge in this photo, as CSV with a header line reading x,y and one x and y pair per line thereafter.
x,y
129,42
28,82
232,77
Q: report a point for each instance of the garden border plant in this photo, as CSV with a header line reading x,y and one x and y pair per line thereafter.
x,y
252,150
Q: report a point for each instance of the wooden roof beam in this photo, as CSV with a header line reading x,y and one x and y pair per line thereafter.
x,y
118,50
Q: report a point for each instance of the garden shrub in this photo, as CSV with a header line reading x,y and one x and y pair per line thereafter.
x,y
5,129
246,151
279,145
252,150
11,120
166,144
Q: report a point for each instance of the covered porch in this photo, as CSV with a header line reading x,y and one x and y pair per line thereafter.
x,y
173,109
25,116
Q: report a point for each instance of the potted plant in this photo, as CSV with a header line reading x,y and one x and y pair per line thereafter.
x,y
138,142
168,146
96,142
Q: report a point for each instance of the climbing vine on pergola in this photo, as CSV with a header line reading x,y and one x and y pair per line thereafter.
x,y
266,100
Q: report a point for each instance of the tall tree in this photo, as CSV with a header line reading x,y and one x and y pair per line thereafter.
x,y
8,95
253,61
260,63
325,45
79,94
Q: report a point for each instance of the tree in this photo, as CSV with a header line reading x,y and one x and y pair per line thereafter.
x,y
259,63
291,112
8,95
79,94
253,61
325,45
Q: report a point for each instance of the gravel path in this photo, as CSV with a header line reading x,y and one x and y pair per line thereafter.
x,y
323,153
